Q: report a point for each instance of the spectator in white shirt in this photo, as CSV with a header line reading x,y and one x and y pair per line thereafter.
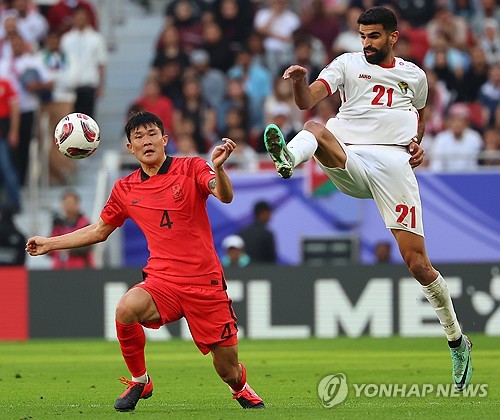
x,y
33,84
86,51
277,24
31,24
458,147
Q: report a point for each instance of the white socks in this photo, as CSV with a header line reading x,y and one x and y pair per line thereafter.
x,y
439,297
144,379
302,146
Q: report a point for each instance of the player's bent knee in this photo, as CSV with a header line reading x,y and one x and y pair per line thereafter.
x,y
228,373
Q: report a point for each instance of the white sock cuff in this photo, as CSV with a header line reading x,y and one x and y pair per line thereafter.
x,y
438,283
308,136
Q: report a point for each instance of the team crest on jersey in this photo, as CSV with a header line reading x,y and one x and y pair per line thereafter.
x,y
177,192
404,87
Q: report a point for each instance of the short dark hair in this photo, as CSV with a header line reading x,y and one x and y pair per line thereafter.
x,y
142,119
379,15
260,207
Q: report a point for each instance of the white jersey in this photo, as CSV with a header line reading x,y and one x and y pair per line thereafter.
x,y
379,104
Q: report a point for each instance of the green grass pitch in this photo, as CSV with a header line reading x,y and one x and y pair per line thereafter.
x,y
66,379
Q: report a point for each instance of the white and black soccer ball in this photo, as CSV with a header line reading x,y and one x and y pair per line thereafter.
x,y
77,136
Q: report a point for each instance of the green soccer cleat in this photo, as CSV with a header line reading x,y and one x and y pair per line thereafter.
x,y
462,364
276,146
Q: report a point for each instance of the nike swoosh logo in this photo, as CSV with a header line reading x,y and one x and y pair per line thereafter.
x,y
460,384
136,201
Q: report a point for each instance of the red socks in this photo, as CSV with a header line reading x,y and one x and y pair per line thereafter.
x,y
243,379
132,342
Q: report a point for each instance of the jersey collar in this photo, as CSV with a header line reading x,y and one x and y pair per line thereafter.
x,y
393,64
163,169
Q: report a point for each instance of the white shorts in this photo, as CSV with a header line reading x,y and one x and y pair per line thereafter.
x,y
384,174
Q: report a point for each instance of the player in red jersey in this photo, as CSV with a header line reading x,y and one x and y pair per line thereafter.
x,y
166,197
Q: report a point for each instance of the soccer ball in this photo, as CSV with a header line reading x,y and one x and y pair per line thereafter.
x,y
77,136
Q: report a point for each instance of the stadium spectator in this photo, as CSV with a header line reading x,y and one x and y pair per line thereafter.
x,y
60,16
458,147
233,17
489,97
488,9
186,16
152,100
474,77
170,79
31,24
61,103
419,13
453,26
280,103
169,48
234,252
244,157
9,138
348,39
212,80
31,80
309,52
87,53
257,81
438,99
12,241
383,252
236,99
258,238
70,220
491,152
490,41
276,23
184,277
196,112
185,145
448,62
345,151
317,22
214,42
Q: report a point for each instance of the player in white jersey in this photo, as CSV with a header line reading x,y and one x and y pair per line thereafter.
x,y
369,148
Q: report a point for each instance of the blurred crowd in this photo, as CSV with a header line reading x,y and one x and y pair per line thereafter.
x,y
217,73
218,66
52,63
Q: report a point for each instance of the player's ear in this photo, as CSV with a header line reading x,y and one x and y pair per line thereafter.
x,y
165,140
129,147
393,37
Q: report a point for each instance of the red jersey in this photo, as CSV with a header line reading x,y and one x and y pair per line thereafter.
x,y
170,209
7,94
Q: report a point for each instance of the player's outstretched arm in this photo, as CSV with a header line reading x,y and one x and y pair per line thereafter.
x,y
306,96
88,235
221,186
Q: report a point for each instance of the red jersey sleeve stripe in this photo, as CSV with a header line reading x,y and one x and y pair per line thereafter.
x,y
328,88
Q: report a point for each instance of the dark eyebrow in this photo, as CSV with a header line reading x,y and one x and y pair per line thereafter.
x,y
371,33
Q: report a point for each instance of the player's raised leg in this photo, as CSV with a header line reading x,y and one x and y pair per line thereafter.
x,y
134,307
315,139
435,289
234,374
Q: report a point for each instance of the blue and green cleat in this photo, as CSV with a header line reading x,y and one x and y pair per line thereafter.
x,y
462,364
276,146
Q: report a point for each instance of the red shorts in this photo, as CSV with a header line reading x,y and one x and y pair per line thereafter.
x,y
208,312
